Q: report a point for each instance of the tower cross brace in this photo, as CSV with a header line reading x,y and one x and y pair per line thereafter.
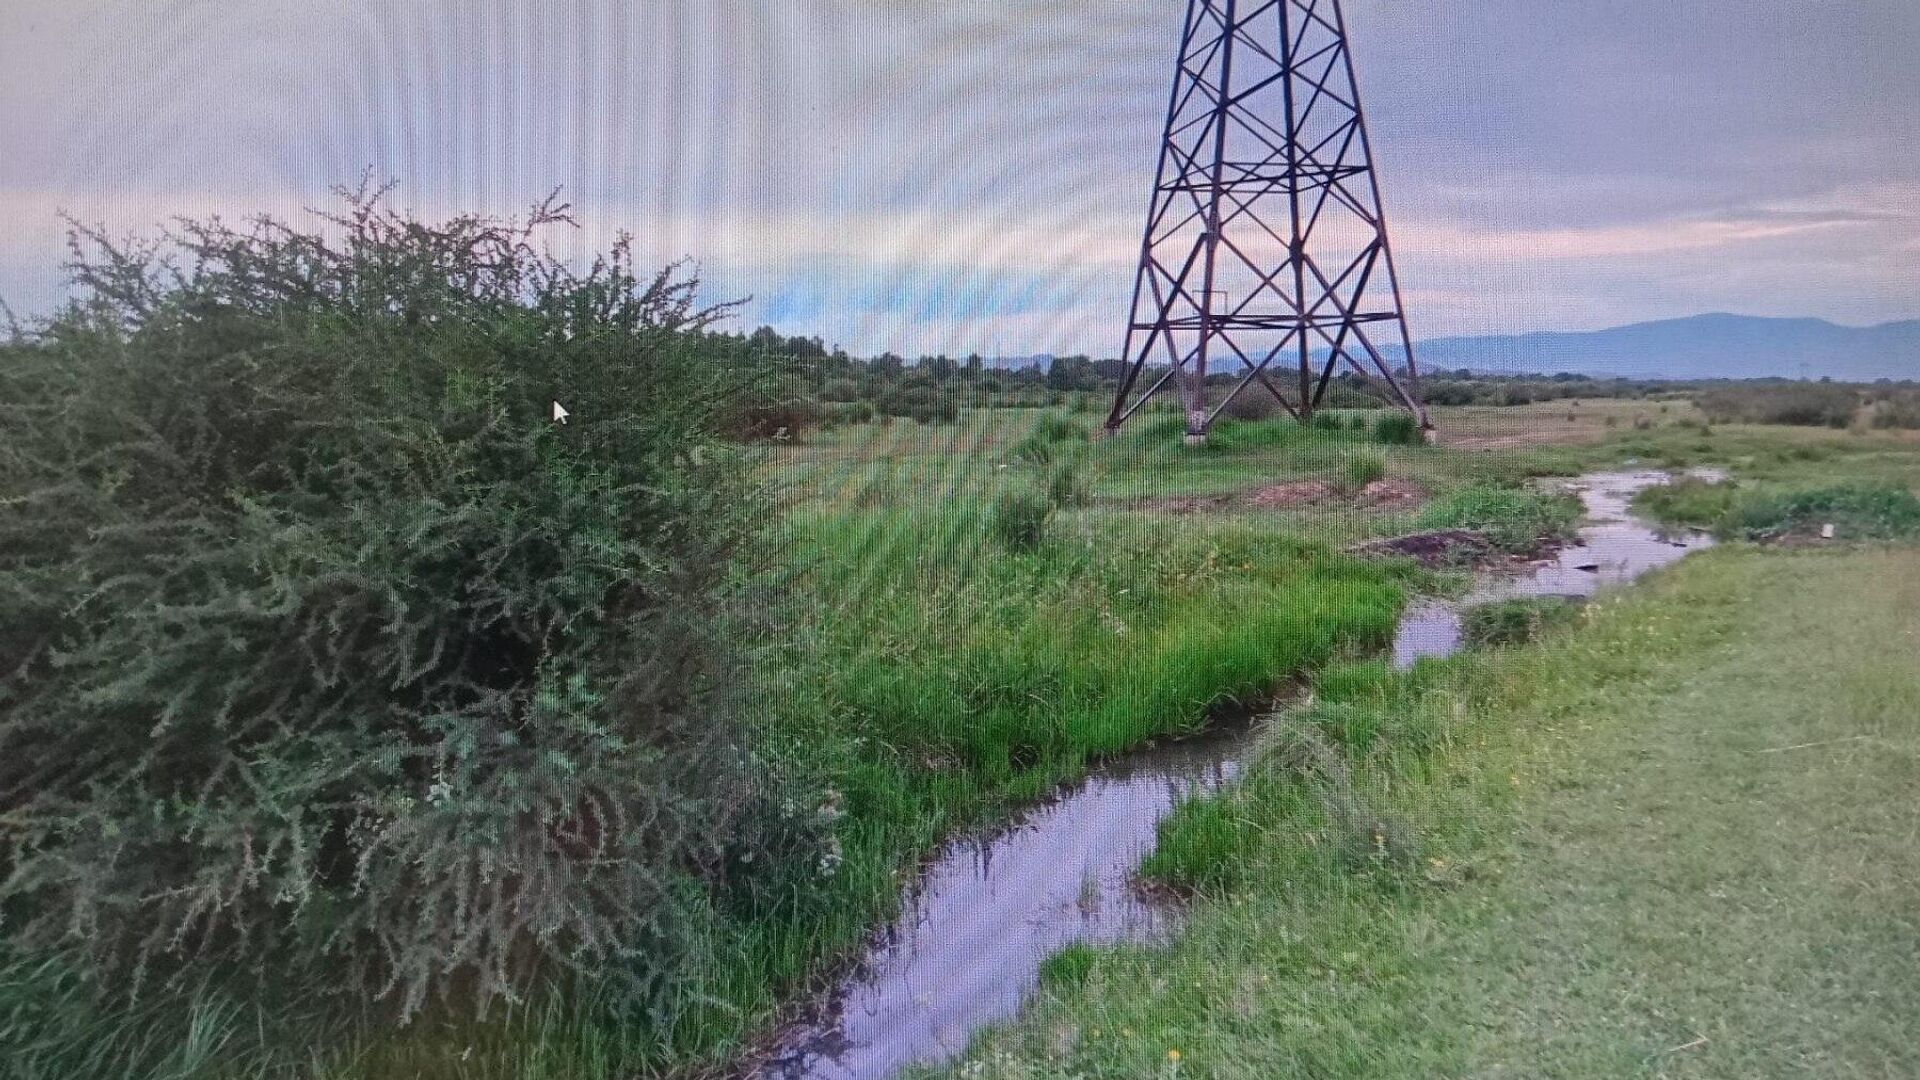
x,y
1265,246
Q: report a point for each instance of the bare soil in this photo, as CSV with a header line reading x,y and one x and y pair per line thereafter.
x,y
1438,549
1294,495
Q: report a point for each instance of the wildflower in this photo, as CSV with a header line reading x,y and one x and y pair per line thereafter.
x,y
1173,1056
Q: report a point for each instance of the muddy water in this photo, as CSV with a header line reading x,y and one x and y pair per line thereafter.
x,y
973,930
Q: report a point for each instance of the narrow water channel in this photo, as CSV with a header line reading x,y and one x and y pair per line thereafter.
x,y
974,929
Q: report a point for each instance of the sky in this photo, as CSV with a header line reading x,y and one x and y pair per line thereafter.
x,y
955,176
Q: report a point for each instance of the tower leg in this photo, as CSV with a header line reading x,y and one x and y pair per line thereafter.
x,y
1265,243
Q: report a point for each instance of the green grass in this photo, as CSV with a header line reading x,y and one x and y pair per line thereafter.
x,y
1689,501
1518,621
1515,519
928,679
1677,841
1363,468
1858,511
939,666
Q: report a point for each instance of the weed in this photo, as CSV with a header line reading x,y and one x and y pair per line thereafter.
x,y
1805,404
1067,968
1041,444
1516,622
1019,519
1068,485
1254,402
1398,429
1363,468
1239,435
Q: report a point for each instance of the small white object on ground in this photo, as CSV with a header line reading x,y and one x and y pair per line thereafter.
x,y
560,413
1826,531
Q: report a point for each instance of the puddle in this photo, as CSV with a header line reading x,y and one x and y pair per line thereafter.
x,y
967,948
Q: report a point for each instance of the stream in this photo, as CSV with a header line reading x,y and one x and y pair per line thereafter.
x,y
988,909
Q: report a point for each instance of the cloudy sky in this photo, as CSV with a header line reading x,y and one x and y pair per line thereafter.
x,y
952,175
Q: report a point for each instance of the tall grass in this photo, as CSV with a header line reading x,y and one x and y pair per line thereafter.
x,y
1858,511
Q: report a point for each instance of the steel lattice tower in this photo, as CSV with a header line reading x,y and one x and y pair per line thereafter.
x,y
1266,246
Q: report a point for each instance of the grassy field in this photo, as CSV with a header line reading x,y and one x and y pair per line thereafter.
x,y
1675,840
972,613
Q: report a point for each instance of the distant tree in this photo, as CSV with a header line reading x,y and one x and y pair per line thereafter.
x,y
1071,373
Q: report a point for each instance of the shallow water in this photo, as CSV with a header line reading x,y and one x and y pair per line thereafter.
x,y
1614,548
974,929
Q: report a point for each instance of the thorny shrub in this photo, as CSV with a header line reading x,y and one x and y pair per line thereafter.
x,y
326,655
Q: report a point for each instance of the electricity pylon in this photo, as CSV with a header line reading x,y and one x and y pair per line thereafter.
x,y
1265,247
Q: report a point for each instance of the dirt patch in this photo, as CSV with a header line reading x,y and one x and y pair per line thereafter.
x,y
1294,495
1436,549
1186,504
1393,494
1288,496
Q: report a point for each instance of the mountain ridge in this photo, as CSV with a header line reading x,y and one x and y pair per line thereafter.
x,y
1713,345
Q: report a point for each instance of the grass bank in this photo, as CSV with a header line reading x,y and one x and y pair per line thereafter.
x,y
1673,840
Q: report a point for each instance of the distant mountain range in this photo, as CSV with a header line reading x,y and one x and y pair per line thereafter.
x,y
1717,346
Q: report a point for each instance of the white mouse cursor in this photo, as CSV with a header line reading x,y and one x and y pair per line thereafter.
x,y
560,413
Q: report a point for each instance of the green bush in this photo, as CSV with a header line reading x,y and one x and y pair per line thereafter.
x,y
1041,443
1255,402
1019,519
326,656
1361,469
1069,967
1398,429
1068,485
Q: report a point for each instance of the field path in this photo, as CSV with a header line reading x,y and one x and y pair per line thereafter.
x,y
1722,878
